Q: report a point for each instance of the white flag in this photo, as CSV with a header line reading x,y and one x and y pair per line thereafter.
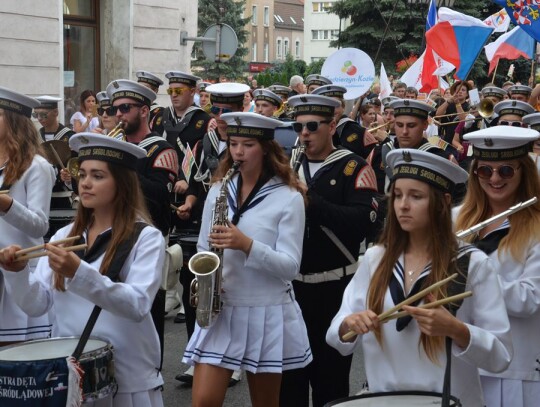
x,y
386,87
413,75
443,67
500,21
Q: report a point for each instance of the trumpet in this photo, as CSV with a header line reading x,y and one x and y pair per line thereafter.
x,y
73,167
380,126
118,132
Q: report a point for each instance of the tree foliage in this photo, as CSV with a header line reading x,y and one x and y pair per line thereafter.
x,y
281,71
227,12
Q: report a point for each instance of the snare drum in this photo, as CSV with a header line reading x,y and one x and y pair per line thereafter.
x,y
35,373
392,399
58,218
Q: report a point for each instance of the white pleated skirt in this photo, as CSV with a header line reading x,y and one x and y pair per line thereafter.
x,y
267,339
510,393
150,398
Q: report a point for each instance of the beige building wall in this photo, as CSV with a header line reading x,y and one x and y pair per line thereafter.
x,y
261,30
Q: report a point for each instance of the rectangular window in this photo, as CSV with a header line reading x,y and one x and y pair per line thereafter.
x,y
254,15
297,49
266,52
266,16
324,35
285,48
254,52
322,6
278,49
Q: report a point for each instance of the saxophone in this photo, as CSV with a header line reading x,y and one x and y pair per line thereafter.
x,y
205,290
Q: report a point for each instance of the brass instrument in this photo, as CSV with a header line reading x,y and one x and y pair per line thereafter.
x,y
300,156
118,132
380,126
73,167
205,290
486,107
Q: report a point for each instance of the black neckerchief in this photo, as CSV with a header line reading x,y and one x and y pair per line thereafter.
x,y
237,212
4,185
98,248
490,243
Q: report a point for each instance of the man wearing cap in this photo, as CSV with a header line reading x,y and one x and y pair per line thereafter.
x,y
156,172
204,96
520,92
349,134
511,112
152,82
284,112
495,95
296,83
267,102
316,80
341,195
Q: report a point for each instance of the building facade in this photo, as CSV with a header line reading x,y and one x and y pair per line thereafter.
x,y
289,32
62,47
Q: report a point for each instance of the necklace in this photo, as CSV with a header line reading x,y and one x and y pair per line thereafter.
x,y
413,272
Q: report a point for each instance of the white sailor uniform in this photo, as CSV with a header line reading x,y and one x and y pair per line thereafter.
x,y
260,328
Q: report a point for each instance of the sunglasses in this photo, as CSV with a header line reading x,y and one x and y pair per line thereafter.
x,y
219,110
510,123
111,111
40,115
124,108
504,171
310,126
176,91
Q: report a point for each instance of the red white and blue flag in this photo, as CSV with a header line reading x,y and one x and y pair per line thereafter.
x,y
525,13
458,39
512,45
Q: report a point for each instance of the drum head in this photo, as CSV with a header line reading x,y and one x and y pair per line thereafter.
x,y
393,399
47,349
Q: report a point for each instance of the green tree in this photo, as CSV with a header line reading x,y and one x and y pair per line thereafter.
x,y
281,72
227,12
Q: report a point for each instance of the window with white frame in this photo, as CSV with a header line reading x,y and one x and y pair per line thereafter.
x,y
319,35
266,16
266,52
254,15
322,6
285,47
254,52
279,50
297,48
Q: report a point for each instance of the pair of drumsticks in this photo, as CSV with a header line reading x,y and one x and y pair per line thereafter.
x,y
27,254
392,314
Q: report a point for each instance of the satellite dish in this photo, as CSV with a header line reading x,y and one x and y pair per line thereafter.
x,y
225,45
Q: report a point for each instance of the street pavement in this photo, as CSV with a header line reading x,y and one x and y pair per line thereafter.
x,y
176,394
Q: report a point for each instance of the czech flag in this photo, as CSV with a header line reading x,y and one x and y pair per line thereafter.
x,y
512,45
458,39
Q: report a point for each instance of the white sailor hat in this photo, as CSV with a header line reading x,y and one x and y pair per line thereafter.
x,y
182,77
93,146
201,86
227,92
316,79
410,107
532,120
500,143
148,77
280,90
17,102
494,91
519,90
269,96
48,102
124,88
103,99
248,124
513,107
313,104
330,91
387,100
426,167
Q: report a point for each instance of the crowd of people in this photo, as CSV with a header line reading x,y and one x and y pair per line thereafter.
x,y
324,218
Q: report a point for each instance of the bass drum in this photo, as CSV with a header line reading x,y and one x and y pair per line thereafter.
x,y
393,399
286,137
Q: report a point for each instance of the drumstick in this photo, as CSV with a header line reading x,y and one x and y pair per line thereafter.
x,y
4,191
174,208
430,305
408,301
42,246
44,253
57,156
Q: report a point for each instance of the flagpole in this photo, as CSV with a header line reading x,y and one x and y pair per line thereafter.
x,y
495,71
533,63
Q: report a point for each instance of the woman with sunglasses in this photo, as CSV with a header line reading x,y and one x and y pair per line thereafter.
x,y
26,182
260,327
502,175
511,112
107,116
85,119
68,285
418,248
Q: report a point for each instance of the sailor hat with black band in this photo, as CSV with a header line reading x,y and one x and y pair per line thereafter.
x,y
252,125
17,102
426,167
227,92
103,99
48,102
124,88
182,77
387,100
519,90
93,146
316,79
532,120
201,86
148,77
330,91
494,91
501,143
269,96
513,107
313,104
410,107
280,90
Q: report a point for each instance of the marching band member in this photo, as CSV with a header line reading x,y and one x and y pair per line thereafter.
x,y
511,112
105,111
204,96
520,92
533,121
153,83
495,95
68,285
418,248
341,195
502,174
260,328
24,211
315,80
267,102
